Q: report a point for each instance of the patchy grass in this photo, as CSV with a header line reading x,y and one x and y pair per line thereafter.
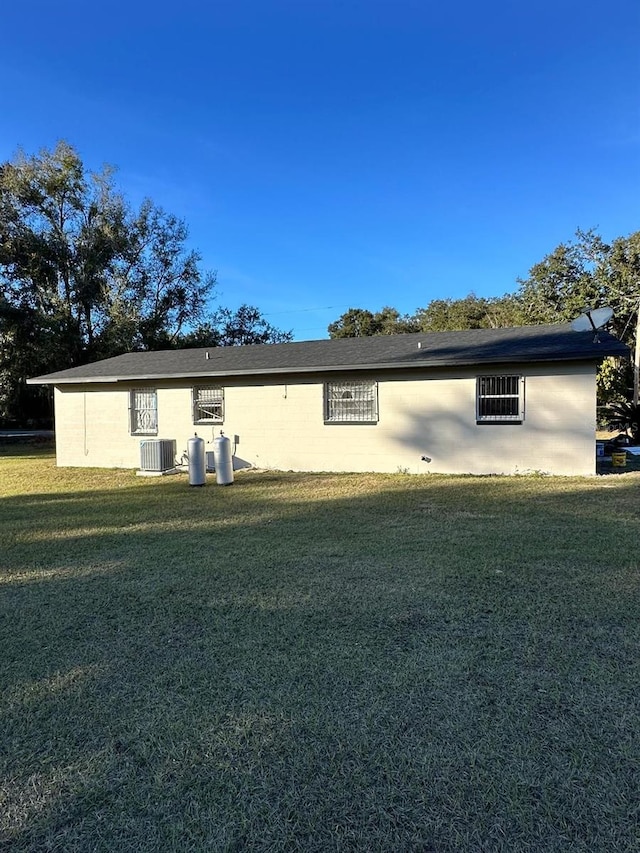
x,y
317,662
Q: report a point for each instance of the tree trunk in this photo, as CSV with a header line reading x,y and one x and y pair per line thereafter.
x,y
636,360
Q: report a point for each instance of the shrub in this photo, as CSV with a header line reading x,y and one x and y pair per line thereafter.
x,y
626,416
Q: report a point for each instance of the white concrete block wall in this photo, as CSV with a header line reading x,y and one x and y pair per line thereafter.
x,y
92,427
281,424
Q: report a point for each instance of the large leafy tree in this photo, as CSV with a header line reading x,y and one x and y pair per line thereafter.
x,y
471,312
82,275
60,233
354,323
359,323
246,325
157,291
440,315
586,273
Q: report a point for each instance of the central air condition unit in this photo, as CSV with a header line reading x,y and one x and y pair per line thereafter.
x,y
158,454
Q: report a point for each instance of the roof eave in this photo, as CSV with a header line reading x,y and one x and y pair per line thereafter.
x,y
51,379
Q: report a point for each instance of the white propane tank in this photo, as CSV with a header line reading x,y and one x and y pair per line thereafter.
x,y
195,454
223,460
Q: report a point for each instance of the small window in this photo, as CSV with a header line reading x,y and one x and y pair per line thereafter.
x,y
208,405
143,411
351,402
500,399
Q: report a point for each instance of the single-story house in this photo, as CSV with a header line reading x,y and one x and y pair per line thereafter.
x,y
486,401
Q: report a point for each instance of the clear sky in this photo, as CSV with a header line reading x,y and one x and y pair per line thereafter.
x,y
329,154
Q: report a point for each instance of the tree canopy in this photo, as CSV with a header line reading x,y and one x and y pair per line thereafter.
x,y
84,276
440,315
472,312
245,325
589,273
583,273
359,322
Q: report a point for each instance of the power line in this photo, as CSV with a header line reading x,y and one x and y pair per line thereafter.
x,y
305,310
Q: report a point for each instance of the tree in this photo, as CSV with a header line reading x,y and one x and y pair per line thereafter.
x,y
389,321
440,315
244,326
157,290
354,323
622,271
589,273
471,312
83,276
565,281
359,323
26,344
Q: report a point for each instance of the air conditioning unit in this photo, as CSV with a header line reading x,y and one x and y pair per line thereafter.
x,y
158,454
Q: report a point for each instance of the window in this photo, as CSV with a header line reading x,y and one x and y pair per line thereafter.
x,y
143,411
208,405
351,403
500,399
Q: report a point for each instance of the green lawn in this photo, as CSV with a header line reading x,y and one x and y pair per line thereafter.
x,y
306,662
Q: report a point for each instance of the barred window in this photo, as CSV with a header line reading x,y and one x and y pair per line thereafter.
x,y
351,402
143,411
208,405
500,399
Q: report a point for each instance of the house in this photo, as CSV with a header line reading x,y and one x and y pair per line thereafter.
x,y
486,401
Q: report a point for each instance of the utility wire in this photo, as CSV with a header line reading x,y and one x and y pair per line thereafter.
x,y
305,310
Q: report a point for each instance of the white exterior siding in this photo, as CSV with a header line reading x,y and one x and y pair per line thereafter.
x,y
281,425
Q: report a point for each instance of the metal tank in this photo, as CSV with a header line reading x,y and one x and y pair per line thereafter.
x,y
195,455
223,460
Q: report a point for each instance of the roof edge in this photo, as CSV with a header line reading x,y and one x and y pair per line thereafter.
x,y
49,379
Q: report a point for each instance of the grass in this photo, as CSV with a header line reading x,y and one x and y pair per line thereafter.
x,y
317,662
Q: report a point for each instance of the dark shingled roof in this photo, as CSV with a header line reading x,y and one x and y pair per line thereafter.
x,y
385,352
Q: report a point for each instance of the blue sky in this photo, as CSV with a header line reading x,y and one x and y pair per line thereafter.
x,y
344,153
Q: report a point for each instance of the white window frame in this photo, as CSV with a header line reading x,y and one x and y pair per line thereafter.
x,y
351,402
215,404
508,404
143,411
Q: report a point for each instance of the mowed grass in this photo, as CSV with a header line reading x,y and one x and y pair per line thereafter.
x,y
318,662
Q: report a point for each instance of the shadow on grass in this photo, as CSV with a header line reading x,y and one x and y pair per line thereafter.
x,y
320,662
